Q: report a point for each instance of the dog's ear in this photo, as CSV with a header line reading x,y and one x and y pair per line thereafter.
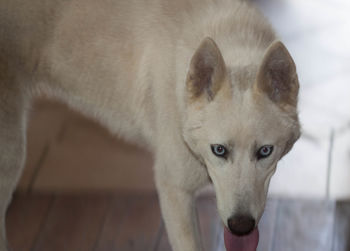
x,y
277,76
206,72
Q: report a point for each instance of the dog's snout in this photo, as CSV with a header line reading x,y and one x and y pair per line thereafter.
x,y
241,224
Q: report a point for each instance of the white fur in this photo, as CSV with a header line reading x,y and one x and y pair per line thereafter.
x,y
124,63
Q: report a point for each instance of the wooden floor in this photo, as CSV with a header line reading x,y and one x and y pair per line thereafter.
x,y
133,222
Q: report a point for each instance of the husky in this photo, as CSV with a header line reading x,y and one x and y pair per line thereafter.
x,y
205,85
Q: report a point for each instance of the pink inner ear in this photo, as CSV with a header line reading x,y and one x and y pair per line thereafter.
x,y
277,75
280,81
201,78
207,69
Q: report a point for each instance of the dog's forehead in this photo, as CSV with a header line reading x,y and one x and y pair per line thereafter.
x,y
242,77
244,119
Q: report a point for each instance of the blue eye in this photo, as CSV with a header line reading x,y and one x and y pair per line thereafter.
x,y
264,152
219,150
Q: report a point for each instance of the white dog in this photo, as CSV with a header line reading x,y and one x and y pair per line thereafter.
x,y
203,84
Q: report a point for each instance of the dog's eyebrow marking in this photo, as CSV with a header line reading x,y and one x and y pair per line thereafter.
x,y
253,151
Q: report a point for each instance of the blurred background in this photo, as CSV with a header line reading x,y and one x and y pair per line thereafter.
x,y
82,189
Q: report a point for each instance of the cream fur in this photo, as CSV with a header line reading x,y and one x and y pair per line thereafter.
x,y
125,63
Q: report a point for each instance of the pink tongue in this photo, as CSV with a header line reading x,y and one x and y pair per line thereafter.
x,y
241,243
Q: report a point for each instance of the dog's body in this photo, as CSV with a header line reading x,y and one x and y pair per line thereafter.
x,y
147,72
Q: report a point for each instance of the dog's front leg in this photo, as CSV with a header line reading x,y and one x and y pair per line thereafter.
x,y
12,147
178,210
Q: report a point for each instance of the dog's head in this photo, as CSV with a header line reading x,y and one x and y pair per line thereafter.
x,y
240,121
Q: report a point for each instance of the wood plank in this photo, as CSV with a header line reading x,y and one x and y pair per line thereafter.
x,y
304,225
220,245
73,224
24,219
137,230
267,225
341,238
112,224
163,243
209,222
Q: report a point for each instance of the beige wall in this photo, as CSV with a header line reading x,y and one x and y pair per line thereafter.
x,y
67,152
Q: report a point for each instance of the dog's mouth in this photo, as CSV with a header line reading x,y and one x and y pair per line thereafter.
x,y
247,242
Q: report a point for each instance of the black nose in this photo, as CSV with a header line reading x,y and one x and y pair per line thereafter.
x,y
241,224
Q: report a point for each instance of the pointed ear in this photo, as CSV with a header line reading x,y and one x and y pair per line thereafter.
x,y
206,72
277,77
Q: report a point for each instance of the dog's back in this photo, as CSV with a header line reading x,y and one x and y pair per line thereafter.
x,y
104,57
